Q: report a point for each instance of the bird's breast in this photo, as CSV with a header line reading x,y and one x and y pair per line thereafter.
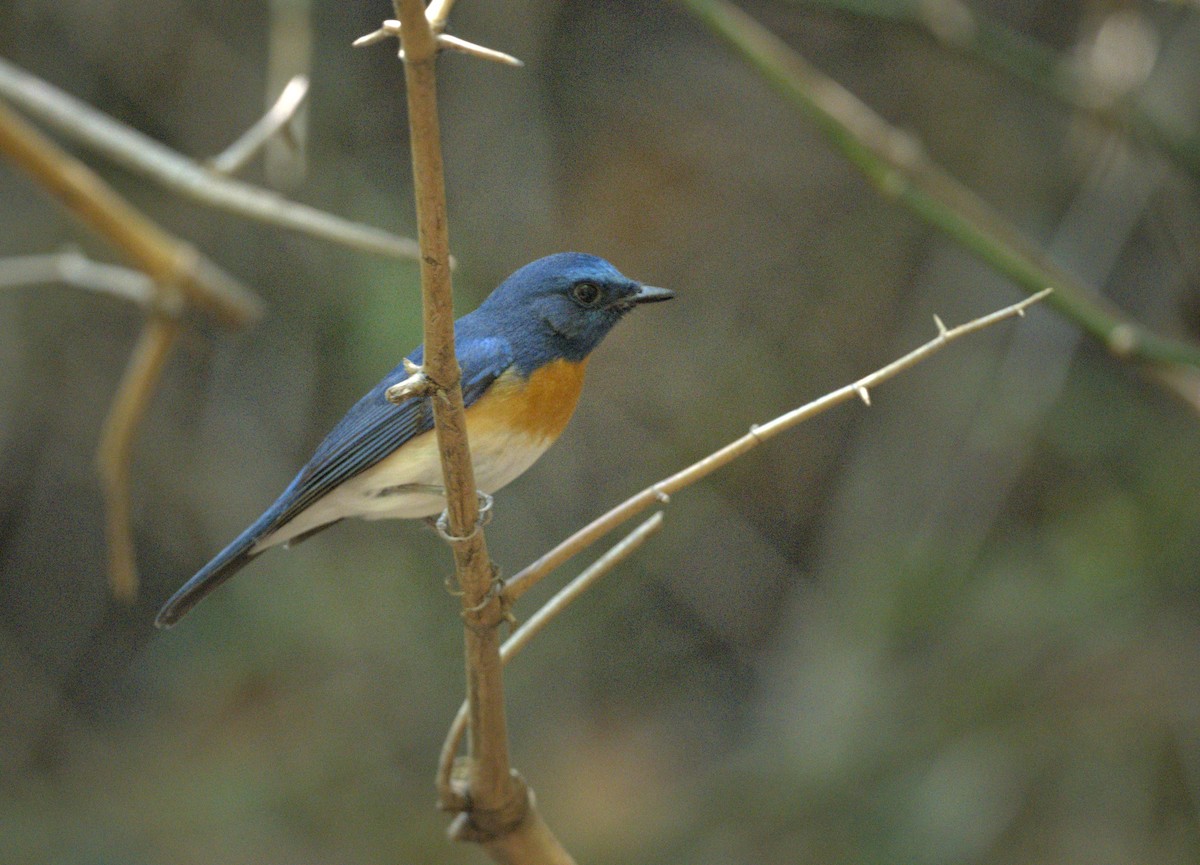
x,y
509,427
538,405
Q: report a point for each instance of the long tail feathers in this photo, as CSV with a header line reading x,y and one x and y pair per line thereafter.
x,y
227,563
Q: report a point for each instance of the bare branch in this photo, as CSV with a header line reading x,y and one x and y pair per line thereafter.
x,y
73,268
450,799
165,259
142,154
528,577
499,802
235,157
114,455
895,162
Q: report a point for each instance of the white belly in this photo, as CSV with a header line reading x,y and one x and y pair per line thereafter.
x,y
379,492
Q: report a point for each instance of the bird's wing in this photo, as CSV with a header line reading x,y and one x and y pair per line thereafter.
x,y
374,427
370,431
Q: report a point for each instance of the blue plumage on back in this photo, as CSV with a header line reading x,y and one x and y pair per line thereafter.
x,y
558,308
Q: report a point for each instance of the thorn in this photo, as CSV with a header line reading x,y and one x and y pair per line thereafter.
x,y
390,28
410,367
445,40
662,497
940,326
863,393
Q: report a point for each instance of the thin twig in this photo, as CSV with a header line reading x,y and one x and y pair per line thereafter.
x,y
660,492
895,162
438,14
450,799
165,259
142,154
73,268
462,46
289,53
235,157
114,454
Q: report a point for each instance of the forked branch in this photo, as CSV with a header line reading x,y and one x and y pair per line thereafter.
x,y
661,492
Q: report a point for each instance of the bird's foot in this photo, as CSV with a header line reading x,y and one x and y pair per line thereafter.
x,y
495,590
442,524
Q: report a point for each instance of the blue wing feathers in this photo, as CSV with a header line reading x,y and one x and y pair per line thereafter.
x,y
374,427
371,430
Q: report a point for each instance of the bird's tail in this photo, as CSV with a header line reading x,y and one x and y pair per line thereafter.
x,y
227,563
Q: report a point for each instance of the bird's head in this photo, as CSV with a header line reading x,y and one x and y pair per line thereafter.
x,y
565,304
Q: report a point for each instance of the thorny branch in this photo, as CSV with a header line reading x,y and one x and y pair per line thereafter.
x,y
497,808
661,492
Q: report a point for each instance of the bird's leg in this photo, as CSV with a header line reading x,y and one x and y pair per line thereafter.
x,y
496,589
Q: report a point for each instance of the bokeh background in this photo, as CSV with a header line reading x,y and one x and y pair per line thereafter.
x,y
957,627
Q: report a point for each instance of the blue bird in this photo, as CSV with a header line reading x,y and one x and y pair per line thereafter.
x,y
523,353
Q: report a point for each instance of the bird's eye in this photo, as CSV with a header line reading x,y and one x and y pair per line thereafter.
x,y
586,293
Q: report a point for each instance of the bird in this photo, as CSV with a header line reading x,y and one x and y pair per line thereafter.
x,y
522,352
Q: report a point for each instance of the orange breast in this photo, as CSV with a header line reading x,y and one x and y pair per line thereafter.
x,y
538,406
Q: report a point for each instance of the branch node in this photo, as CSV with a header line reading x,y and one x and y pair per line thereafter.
x,y
443,41
483,826
416,385
495,590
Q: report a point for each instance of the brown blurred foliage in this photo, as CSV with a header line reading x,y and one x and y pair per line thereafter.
x,y
957,627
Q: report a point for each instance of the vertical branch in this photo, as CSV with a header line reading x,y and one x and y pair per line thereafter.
x,y
496,800
115,451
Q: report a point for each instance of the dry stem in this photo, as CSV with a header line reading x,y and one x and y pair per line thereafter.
x,y
142,154
115,452
898,166
528,577
71,267
166,260
499,803
448,797
178,272
235,157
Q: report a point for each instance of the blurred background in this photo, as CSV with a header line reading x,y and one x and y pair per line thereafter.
x,y
957,627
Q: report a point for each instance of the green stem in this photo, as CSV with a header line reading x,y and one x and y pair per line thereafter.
x,y
896,164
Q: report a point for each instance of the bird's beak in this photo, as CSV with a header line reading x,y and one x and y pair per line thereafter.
x,y
651,294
